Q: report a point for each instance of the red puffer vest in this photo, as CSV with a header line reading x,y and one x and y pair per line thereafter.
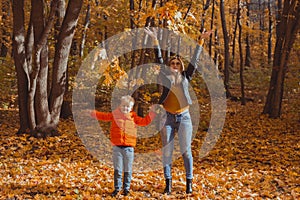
x,y
123,130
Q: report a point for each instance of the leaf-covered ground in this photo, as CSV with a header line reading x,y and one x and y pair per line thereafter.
x,y
255,158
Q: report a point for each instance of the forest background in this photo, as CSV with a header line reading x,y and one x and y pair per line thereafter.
x,y
255,46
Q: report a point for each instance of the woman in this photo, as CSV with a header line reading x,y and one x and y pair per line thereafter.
x,y
175,99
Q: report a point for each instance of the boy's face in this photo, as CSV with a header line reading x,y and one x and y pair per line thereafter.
x,y
126,107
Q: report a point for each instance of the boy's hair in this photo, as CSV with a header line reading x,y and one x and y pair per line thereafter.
x,y
127,99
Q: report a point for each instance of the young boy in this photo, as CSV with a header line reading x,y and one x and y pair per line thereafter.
x,y
123,133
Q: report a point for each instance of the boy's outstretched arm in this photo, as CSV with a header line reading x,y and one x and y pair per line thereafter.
x,y
144,121
103,116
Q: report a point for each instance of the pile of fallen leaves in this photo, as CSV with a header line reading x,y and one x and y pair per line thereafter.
x,y
255,158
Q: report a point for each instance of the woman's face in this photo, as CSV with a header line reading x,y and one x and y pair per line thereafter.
x,y
175,65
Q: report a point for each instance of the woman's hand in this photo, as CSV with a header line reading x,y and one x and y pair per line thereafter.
x,y
205,34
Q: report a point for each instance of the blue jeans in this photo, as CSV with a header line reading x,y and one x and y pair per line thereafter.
x,y
182,124
122,159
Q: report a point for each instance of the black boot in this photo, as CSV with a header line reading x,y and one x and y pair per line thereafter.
x,y
168,186
115,193
125,192
189,186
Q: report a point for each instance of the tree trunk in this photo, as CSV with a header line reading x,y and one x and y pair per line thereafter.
x,y
278,15
19,53
66,108
205,7
60,14
261,15
226,48
270,32
139,71
5,34
134,52
211,28
248,51
234,38
86,25
61,59
38,96
243,101
217,57
288,28
31,61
